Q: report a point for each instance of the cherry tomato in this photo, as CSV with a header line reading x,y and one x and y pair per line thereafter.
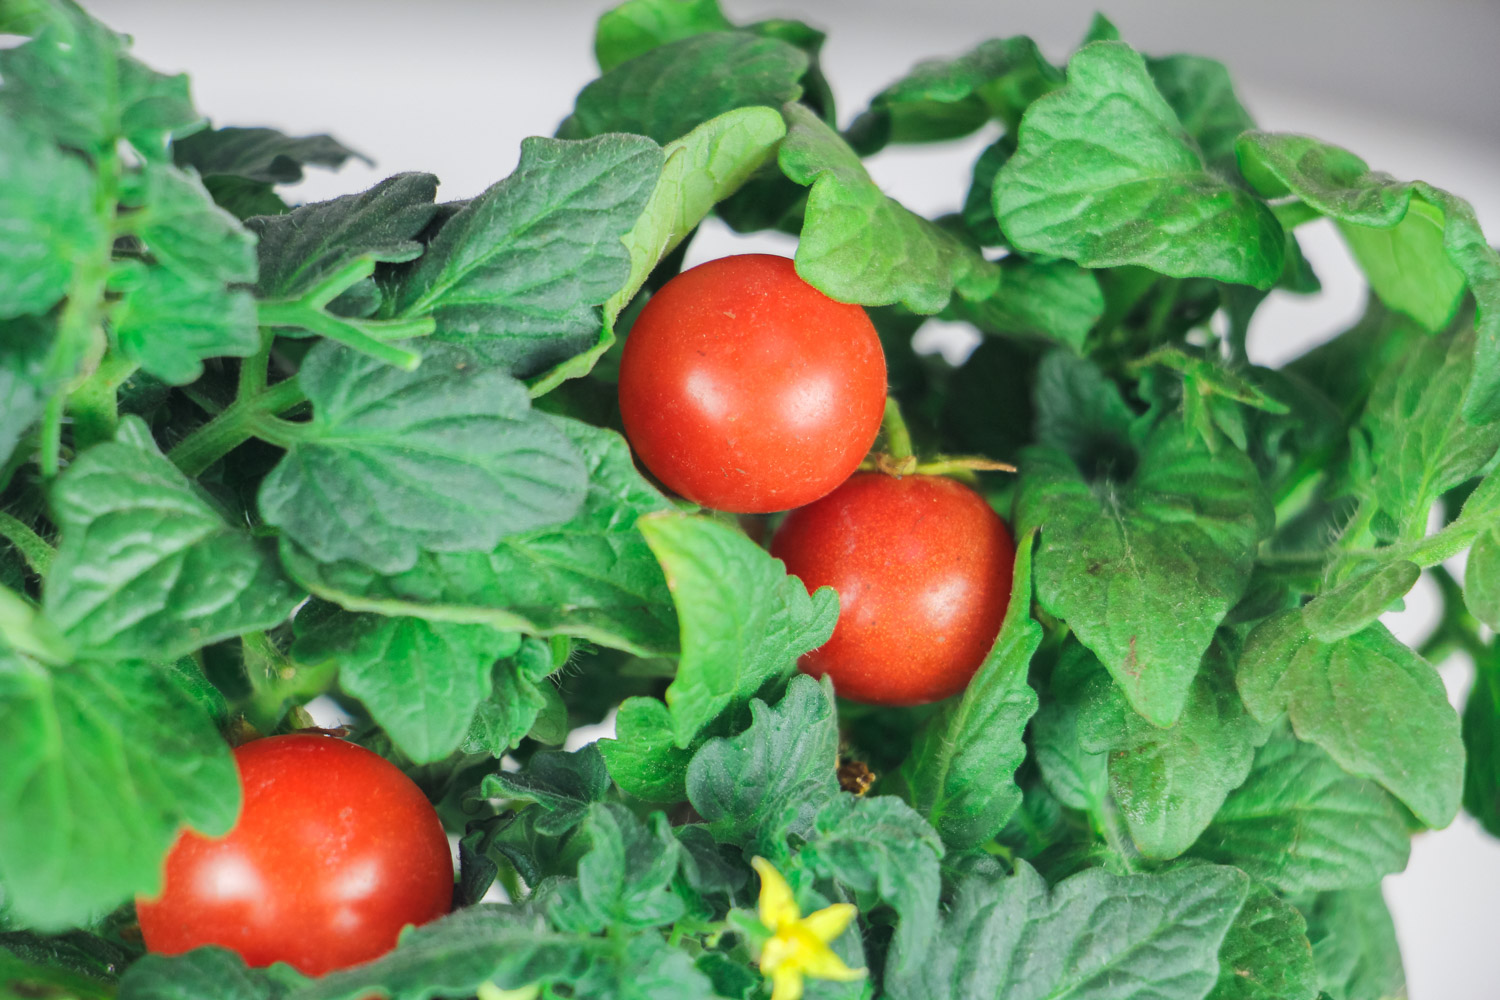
x,y
335,851
922,567
745,389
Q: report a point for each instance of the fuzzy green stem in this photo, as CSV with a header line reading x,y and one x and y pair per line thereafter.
x,y
94,405
27,632
358,335
897,437
33,548
264,664
233,427
49,453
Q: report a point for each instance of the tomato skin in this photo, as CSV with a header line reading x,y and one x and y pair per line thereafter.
x,y
922,567
745,389
334,852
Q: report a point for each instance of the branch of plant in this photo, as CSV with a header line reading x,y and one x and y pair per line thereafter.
x,y
232,428
33,548
368,336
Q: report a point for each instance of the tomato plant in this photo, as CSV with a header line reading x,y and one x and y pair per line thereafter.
x,y
334,852
922,567
744,388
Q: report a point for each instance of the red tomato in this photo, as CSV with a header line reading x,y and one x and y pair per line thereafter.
x,y
922,567
745,389
335,851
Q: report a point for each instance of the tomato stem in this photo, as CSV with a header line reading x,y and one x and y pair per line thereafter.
x,y
33,548
897,437
233,427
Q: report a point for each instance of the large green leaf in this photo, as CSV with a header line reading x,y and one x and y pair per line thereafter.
x,y
449,458
593,577
1377,707
1302,824
858,244
146,569
625,879
103,763
515,700
1094,936
1143,569
1055,301
744,620
1354,945
262,155
637,26
518,276
1203,98
185,231
960,773
1266,955
1104,154
203,972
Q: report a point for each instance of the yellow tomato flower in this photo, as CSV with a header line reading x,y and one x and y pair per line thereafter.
x,y
798,945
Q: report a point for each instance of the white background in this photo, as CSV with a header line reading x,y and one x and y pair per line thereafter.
x,y
452,86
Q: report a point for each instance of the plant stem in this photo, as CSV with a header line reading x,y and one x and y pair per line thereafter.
x,y
37,553
254,369
233,427
94,405
27,632
897,437
264,665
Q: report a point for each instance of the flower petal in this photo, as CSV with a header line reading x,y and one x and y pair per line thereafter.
x,y
777,907
786,984
829,922
821,962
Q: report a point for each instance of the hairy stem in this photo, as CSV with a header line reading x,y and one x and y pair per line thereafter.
x,y
897,437
33,548
94,405
233,427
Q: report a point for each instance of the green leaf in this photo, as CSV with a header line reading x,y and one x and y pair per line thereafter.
x,y
515,700
185,231
421,681
203,972
47,204
1095,936
518,276
1481,576
306,245
744,620
24,387
1106,152
1481,732
1053,301
564,785
752,789
858,245
1377,707
625,880
1169,783
1354,604
1354,946
670,90
1302,824
644,758
449,458
1266,955
1076,775
593,577
146,569
104,762
1143,569
170,323
263,155
75,80
1080,410
638,26
960,773
1202,96
1392,227
20,978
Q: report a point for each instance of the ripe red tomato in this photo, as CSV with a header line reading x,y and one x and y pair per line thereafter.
x,y
745,389
334,852
922,567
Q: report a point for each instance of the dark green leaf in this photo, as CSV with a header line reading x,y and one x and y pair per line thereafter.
x,y
146,569
1053,301
744,621
1354,946
1144,569
169,323
1107,152
421,681
1076,775
960,774
858,245
668,91
1080,410
1357,603
1202,95
449,458
1377,707
565,785
203,972
1481,732
1265,955
259,154
243,199
514,701
104,762
625,880
593,577
1302,824
518,276
638,26
302,247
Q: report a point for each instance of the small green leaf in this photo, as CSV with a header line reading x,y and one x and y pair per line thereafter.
x,y
263,155
170,323
564,785
185,231
449,458
203,972
422,681
1302,824
104,762
518,276
960,773
744,621
1076,775
638,26
670,90
146,569
625,880
1053,301
1354,945
1357,603
1202,95
1080,410
1481,578
1377,707
644,758
1481,732
1106,151
1266,955
593,577
515,700
24,386
1145,568
858,245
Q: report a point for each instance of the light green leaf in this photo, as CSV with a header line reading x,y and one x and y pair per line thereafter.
x,y
449,458
960,773
1266,955
169,323
1105,152
1354,946
744,620
24,387
1144,568
1055,301
104,762
185,231
592,577
1303,824
146,569
203,972
518,276
625,880
858,245
1377,707
638,26
1352,605
1481,578
644,758
515,700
